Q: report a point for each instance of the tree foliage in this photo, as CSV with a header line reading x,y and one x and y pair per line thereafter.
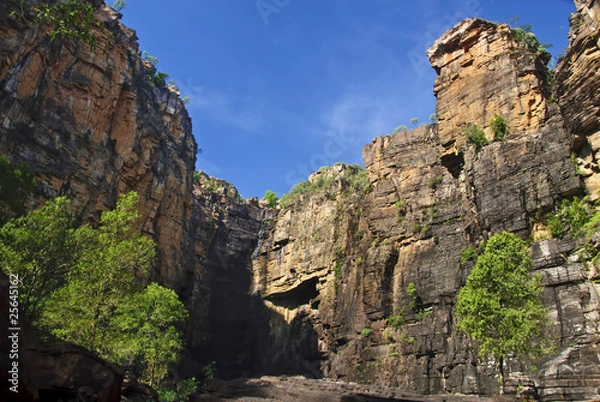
x,y
40,248
102,276
80,285
71,19
17,182
148,318
499,127
499,307
476,136
271,198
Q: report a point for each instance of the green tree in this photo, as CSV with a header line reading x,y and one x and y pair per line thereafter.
x,y
144,332
101,278
271,198
39,247
499,307
414,121
17,182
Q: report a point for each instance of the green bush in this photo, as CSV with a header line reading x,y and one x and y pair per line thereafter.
x,y
17,182
179,392
572,216
499,127
523,35
399,129
396,320
159,79
271,198
365,332
70,19
119,5
354,175
476,136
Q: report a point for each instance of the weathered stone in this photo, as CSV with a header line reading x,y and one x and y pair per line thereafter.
x,y
67,371
92,125
483,70
577,86
292,389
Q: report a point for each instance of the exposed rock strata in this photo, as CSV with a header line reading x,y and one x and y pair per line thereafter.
x,y
483,70
311,288
577,86
92,125
432,195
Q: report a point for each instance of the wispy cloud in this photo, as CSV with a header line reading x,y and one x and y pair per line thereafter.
x,y
226,108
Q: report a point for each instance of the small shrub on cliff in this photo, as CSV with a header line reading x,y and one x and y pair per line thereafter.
x,y
366,332
523,35
499,127
435,181
119,5
70,19
576,217
401,128
396,320
476,136
499,307
271,198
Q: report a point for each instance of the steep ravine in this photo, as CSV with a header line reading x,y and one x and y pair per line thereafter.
x,y
310,287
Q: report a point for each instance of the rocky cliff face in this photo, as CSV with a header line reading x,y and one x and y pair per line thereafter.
x,y
576,87
355,277
92,125
346,266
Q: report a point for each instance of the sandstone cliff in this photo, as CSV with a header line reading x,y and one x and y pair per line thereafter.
x,y
345,268
576,88
92,125
356,275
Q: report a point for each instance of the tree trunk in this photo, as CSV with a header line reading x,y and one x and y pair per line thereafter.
x,y
501,378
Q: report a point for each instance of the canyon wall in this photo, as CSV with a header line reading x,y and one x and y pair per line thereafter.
x,y
355,275
359,260
92,125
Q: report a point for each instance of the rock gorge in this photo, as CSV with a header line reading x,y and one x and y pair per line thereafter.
x,y
309,288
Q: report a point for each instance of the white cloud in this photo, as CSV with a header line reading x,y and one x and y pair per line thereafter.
x,y
227,108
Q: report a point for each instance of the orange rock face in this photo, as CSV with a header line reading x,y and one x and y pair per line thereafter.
x,y
92,125
577,86
482,71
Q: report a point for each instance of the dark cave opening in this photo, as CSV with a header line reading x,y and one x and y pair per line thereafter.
x,y
296,297
454,162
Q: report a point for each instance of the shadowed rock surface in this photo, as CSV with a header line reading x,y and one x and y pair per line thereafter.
x,y
313,287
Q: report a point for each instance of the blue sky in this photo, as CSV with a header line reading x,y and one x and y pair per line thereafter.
x,y
279,88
